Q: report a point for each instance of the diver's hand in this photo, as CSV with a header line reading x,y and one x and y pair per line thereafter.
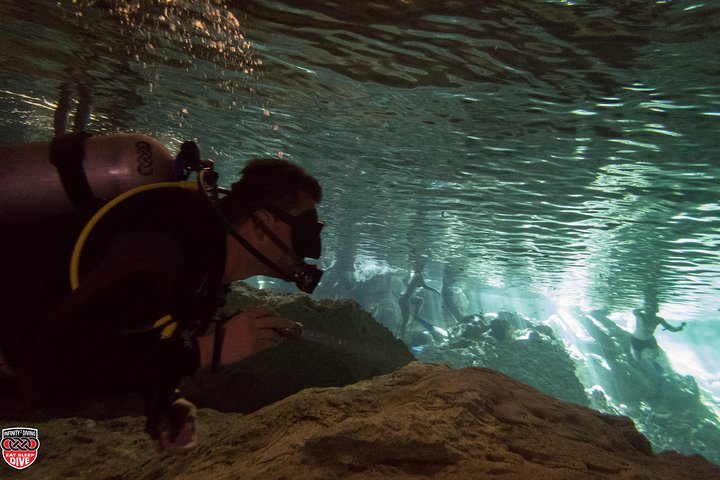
x,y
177,430
245,334
679,328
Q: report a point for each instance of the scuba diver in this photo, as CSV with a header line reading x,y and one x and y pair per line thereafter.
x,y
416,282
437,333
450,293
150,260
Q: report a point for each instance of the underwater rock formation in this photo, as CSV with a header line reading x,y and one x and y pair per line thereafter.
x,y
421,421
528,352
668,408
341,344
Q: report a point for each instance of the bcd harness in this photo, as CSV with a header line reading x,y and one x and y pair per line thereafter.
x,y
67,155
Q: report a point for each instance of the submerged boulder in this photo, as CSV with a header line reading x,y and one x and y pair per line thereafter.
x,y
667,407
421,421
341,344
528,352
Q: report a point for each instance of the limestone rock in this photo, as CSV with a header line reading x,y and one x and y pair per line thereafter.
x,y
528,352
422,421
341,344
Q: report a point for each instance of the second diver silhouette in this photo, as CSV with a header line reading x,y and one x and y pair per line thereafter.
x,y
417,281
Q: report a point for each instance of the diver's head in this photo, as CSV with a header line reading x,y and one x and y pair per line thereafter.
x,y
269,180
275,204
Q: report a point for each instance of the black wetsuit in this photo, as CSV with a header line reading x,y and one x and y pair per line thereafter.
x,y
159,253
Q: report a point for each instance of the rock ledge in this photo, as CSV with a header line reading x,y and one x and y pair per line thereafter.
x,y
421,421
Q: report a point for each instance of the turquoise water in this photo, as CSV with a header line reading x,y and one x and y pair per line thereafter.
x,y
560,155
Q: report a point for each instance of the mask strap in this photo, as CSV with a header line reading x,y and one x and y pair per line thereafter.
x,y
210,190
275,239
255,252
306,279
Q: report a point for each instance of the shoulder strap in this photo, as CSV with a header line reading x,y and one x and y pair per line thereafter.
x,y
67,153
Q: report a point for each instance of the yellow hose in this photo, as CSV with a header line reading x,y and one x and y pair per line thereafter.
x,y
80,243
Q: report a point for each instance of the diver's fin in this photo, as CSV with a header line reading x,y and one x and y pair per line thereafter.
x,y
437,332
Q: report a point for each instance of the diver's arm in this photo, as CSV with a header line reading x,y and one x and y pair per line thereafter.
x,y
421,283
418,281
89,342
245,334
667,326
428,287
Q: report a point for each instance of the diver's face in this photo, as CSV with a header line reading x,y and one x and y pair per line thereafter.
x,y
297,231
304,226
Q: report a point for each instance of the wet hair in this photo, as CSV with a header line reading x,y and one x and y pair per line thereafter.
x,y
268,180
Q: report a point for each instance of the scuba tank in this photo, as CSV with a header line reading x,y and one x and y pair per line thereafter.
x,y
78,171
90,175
